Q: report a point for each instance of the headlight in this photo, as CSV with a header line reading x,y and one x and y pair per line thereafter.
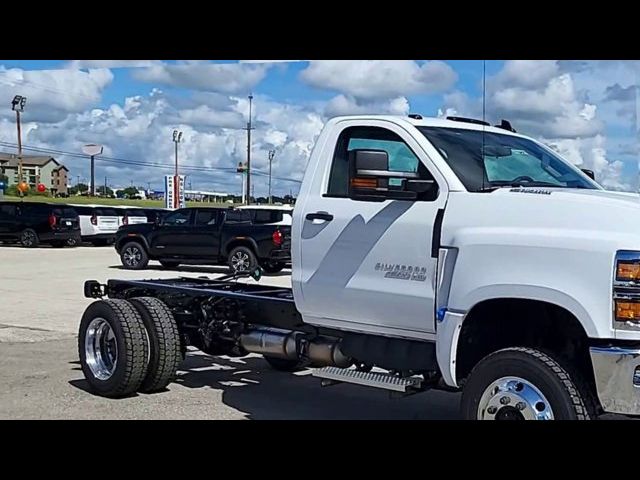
x,y
626,291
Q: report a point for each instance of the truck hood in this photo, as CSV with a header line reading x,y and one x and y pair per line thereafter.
x,y
561,212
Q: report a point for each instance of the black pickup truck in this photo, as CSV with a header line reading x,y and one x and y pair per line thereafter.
x,y
206,236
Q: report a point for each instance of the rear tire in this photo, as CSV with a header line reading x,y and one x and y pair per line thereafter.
x,y
242,260
133,256
113,348
524,383
29,238
284,364
164,342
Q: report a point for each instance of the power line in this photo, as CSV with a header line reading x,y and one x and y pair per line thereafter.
x,y
140,163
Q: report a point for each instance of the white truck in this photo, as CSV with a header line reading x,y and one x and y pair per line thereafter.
x,y
426,254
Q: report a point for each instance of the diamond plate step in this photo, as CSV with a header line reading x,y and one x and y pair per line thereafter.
x,y
385,381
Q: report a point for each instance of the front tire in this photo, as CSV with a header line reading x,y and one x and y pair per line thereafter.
x,y
133,256
164,341
29,238
525,384
242,260
113,348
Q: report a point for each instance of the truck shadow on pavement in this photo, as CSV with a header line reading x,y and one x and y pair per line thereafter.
x,y
250,385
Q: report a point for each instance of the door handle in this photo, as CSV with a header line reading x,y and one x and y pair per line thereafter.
x,y
327,217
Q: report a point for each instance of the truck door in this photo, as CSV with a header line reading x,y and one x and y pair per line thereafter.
x,y
205,236
8,220
172,236
367,263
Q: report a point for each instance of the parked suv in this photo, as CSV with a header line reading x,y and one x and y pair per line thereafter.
x,y
98,225
131,215
206,236
34,223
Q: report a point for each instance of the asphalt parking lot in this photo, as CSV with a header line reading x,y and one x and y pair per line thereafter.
x,y
41,305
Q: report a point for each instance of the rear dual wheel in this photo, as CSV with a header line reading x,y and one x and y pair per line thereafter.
x,y
128,346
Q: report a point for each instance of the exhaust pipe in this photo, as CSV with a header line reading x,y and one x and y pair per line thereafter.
x,y
271,342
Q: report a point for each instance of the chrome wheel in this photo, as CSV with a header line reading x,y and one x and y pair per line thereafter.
x,y
132,256
513,398
28,238
101,349
240,261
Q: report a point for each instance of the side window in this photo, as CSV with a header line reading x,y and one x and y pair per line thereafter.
x,y
401,157
266,216
206,217
238,216
7,211
179,217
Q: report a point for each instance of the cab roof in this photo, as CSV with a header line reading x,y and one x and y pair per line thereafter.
x,y
420,121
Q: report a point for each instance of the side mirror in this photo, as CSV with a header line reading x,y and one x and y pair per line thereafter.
x,y
589,173
371,180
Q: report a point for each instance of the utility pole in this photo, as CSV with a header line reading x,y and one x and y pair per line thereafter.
x,y
17,105
272,153
249,128
105,186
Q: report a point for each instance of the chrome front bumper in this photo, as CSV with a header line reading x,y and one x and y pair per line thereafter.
x,y
617,374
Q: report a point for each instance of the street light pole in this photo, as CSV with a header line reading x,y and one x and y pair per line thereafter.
x,y
177,136
272,153
17,105
249,128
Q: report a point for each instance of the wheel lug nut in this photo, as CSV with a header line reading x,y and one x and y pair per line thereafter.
x,y
492,410
521,405
505,400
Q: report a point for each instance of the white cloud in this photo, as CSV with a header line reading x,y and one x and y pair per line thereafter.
x,y
541,99
52,94
345,105
230,78
140,129
379,79
591,153
84,64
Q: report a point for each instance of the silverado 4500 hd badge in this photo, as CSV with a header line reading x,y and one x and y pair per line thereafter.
x,y
402,272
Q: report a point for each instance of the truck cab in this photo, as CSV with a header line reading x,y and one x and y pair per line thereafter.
x,y
432,253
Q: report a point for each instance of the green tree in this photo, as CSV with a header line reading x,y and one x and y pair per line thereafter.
x,y
79,188
101,191
130,192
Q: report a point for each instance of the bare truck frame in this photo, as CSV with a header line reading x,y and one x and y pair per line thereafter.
x,y
227,317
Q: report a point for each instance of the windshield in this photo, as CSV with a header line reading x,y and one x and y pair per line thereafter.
x,y
484,164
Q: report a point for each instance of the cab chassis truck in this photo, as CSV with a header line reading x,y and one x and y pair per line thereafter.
x,y
426,254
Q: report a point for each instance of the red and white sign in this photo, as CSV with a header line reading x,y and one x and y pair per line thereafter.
x,y
174,192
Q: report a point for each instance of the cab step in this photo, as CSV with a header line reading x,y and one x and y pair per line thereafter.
x,y
384,381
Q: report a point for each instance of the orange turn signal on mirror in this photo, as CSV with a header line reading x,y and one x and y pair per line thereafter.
x,y
628,272
364,183
627,311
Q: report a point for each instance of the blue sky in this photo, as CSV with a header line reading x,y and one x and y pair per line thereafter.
x,y
585,110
